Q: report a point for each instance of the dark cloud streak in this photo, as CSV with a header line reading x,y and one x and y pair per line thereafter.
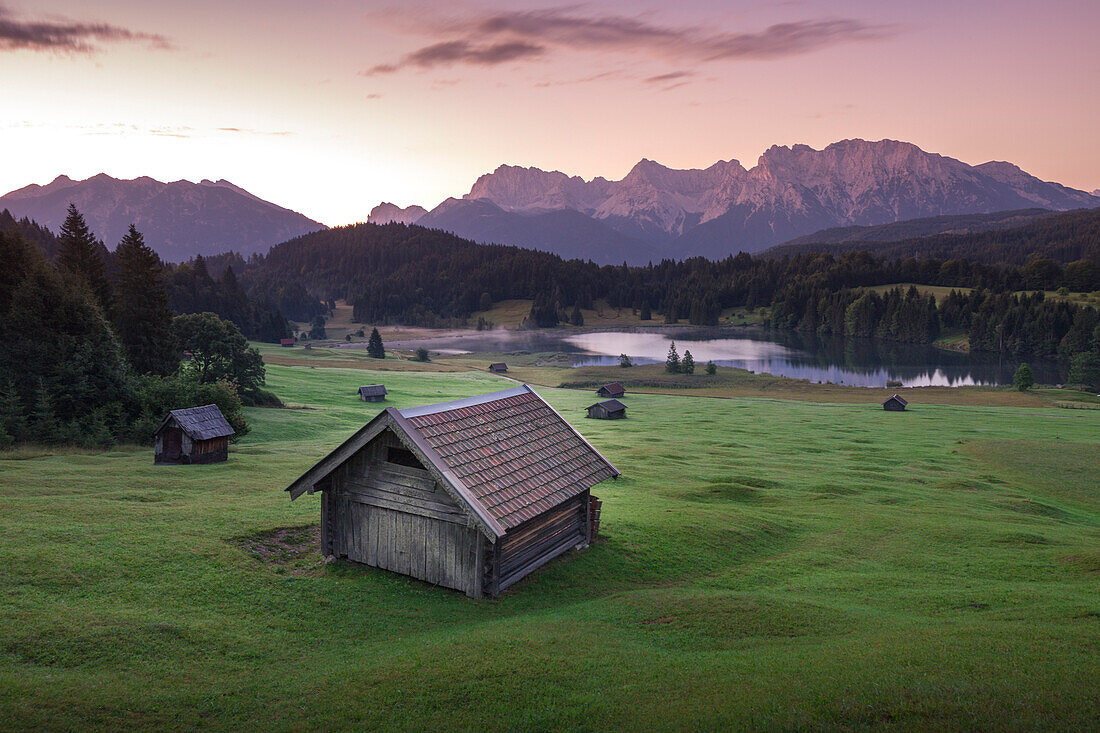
x,y
67,36
453,52
518,35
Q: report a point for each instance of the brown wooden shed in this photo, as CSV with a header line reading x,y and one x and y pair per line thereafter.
x,y
611,389
373,393
192,435
607,410
473,494
287,342
499,367
895,404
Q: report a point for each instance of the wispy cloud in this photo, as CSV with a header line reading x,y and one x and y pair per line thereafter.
x,y
61,35
449,53
671,76
511,36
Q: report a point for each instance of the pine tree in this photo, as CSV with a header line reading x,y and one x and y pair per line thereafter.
x,y
576,317
672,362
711,368
12,423
82,255
142,319
44,427
1023,379
687,364
375,348
645,314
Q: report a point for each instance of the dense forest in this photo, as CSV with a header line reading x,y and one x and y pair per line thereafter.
x,y
193,288
92,355
1067,237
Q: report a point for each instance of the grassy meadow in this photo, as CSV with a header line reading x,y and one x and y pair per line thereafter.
x,y
763,563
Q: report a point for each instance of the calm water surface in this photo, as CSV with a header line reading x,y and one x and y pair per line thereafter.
x,y
853,362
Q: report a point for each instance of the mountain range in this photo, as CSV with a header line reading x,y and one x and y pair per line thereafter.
x,y
179,219
658,212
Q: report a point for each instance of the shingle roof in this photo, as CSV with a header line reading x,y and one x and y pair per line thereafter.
x,y
610,405
899,398
613,388
373,390
201,423
513,452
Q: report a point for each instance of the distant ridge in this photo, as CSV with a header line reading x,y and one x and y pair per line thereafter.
x,y
1063,237
179,219
925,227
656,212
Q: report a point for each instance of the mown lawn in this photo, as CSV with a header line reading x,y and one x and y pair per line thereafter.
x,y
763,564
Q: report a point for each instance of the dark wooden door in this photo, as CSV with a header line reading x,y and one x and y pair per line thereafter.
x,y
173,443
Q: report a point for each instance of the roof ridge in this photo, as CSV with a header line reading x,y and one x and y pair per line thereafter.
x,y
465,402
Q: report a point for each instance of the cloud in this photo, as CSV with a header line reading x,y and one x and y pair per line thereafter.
x,y
508,36
67,36
671,76
449,53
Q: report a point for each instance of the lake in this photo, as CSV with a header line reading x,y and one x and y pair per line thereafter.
x,y
853,362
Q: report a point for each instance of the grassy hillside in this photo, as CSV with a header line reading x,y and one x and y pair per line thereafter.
x,y
763,564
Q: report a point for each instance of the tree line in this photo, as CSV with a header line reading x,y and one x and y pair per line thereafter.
x,y
92,356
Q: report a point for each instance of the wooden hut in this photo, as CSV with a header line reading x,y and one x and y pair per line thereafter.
x,y
373,393
193,435
472,494
607,410
500,367
895,404
612,389
286,342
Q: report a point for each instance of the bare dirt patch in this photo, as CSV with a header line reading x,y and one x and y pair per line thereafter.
x,y
294,550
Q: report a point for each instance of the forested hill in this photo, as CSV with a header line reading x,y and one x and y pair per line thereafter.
x,y
926,227
1064,238
401,273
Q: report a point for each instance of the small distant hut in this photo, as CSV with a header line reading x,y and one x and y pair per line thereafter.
x,y
308,346
286,342
373,393
612,389
473,494
500,367
192,435
607,410
895,404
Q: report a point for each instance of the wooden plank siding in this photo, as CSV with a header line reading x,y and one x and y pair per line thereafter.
x,y
538,541
398,518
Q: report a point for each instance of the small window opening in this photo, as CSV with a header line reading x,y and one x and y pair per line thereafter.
x,y
402,457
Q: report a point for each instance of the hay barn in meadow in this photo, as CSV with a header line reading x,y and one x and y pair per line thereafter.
x,y
612,389
607,410
373,393
473,494
498,367
192,435
287,342
895,404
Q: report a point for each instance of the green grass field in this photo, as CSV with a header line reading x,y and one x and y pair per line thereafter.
x,y
763,563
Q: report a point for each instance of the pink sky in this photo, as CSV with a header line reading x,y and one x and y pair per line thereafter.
x,y
332,106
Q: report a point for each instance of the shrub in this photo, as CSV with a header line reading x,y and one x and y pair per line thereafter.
x,y
711,368
422,355
624,361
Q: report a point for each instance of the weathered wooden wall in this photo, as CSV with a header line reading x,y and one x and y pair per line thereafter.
x,y
538,541
396,517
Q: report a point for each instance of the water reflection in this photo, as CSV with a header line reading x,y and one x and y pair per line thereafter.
x,y
853,362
